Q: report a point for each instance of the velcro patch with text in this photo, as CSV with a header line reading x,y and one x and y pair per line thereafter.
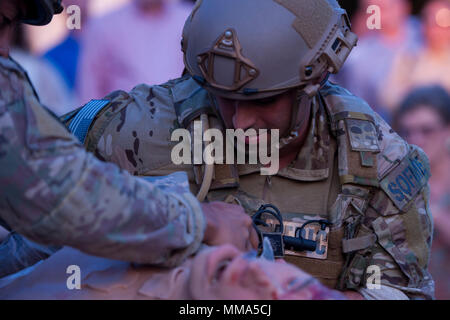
x,y
404,182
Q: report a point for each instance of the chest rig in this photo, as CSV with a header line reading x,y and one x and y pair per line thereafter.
x,y
343,245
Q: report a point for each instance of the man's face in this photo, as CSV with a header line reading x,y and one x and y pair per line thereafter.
x,y
225,273
423,127
270,113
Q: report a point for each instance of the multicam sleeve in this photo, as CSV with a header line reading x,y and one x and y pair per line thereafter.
x,y
110,213
403,249
395,265
400,216
54,192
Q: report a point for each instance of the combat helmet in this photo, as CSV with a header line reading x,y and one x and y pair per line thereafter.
x,y
252,49
40,12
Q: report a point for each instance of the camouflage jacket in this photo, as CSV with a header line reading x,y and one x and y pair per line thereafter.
x,y
353,170
54,192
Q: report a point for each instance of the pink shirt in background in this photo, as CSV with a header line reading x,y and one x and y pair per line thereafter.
x,y
128,47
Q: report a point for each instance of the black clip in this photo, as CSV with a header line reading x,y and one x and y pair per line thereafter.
x,y
276,241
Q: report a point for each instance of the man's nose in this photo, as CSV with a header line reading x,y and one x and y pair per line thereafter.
x,y
245,115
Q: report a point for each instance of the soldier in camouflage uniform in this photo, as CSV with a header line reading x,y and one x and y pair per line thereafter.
x,y
54,192
264,64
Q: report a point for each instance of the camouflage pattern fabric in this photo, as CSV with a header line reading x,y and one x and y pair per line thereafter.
x,y
135,133
54,192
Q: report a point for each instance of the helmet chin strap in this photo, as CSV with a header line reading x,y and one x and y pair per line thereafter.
x,y
302,100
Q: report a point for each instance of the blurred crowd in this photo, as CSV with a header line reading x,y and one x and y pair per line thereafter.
x,y
402,70
103,46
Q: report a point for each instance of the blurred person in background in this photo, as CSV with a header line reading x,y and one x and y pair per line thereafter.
x,y
423,119
65,55
430,64
135,44
42,38
61,45
102,7
367,68
48,81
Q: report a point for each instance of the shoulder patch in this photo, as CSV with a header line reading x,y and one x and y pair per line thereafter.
x,y
405,181
81,122
69,116
190,100
363,135
184,89
341,104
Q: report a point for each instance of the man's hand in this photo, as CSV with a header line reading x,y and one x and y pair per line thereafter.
x,y
228,223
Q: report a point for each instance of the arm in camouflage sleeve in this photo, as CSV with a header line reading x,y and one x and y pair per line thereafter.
x,y
54,192
403,249
400,216
399,254
389,226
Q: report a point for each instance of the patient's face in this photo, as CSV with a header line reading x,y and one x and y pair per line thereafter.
x,y
224,273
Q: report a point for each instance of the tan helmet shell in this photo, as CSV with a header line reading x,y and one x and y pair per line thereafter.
x,y
251,49
40,12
